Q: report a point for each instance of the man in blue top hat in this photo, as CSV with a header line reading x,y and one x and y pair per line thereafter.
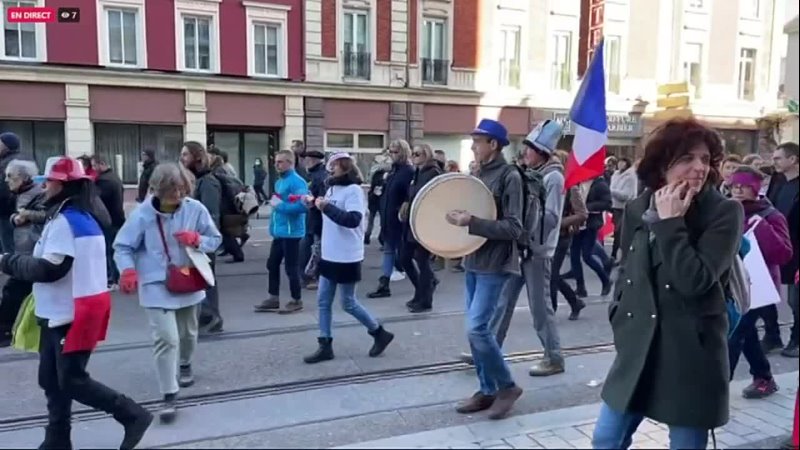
x,y
488,269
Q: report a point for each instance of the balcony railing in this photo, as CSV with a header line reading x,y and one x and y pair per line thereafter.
x,y
434,71
509,73
357,65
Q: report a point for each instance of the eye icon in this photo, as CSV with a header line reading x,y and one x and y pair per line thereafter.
x,y
65,15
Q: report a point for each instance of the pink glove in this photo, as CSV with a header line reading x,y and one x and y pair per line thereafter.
x,y
188,238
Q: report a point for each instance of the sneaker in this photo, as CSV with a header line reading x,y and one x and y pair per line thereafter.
x,y
791,350
113,287
312,285
466,358
186,377
576,312
271,304
212,326
5,339
169,409
397,276
458,268
545,368
760,388
292,306
477,403
504,401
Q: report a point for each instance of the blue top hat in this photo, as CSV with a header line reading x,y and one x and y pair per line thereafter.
x,y
493,129
545,136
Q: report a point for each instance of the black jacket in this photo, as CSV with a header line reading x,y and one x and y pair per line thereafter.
x,y
144,180
259,175
317,176
375,190
793,219
395,193
7,203
422,176
111,192
598,201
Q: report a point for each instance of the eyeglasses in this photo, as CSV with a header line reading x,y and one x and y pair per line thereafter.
x,y
418,154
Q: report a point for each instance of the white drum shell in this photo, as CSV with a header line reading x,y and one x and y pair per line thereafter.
x,y
447,192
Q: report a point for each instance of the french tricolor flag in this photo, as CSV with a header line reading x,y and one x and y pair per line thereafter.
x,y
588,115
89,284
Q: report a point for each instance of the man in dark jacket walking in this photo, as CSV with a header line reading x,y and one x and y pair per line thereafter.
x,y
9,151
148,164
317,176
112,194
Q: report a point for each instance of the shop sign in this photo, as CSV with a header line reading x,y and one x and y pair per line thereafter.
x,y
619,125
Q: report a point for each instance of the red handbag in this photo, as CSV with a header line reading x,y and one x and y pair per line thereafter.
x,y
180,280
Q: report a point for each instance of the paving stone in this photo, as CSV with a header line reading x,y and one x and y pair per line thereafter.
x,y
731,440
553,442
521,441
568,433
491,443
587,429
649,443
581,443
737,428
772,415
541,434
504,446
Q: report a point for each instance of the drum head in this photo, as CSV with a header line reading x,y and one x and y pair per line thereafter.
x,y
446,193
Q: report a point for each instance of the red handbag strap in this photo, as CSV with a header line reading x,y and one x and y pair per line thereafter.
x,y
163,239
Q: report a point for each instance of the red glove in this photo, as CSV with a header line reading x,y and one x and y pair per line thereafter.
x,y
128,281
295,197
188,238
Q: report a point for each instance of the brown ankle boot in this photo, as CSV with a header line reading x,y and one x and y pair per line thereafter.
x,y
478,402
504,402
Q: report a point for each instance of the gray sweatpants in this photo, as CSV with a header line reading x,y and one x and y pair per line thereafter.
x,y
536,277
174,334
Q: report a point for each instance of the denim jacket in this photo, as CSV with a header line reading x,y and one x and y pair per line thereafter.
x,y
138,244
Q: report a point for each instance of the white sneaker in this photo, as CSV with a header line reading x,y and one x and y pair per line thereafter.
x,y
397,276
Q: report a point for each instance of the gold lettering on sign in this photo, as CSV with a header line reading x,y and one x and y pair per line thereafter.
x,y
596,22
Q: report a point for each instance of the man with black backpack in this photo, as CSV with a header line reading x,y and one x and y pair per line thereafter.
x,y
543,202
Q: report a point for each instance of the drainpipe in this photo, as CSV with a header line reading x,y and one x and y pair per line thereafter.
x,y
303,42
408,68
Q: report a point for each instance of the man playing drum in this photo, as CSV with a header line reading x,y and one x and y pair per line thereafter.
x,y
488,269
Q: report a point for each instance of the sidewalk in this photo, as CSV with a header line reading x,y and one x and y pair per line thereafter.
x,y
752,421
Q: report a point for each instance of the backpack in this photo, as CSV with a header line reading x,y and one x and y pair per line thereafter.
x,y
533,198
236,197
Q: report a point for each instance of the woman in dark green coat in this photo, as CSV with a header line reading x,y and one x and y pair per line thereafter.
x,y
669,317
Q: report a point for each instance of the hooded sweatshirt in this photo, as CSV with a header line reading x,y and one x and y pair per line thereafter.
x,y
553,178
623,188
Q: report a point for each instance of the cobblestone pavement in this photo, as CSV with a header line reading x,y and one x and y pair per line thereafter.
x,y
752,421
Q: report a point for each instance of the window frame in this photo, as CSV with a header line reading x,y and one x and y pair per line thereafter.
x,y
368,39
746,10
704,5
104,42
355,148
697,90
618,39
198,8
40,35
740,85
507,83
267,14
556,36
445,48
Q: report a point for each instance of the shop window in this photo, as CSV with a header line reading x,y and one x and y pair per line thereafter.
x,y
127,140
41,140
363,146
740,142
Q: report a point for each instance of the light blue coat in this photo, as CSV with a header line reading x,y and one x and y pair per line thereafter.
x,y
289,218
138,246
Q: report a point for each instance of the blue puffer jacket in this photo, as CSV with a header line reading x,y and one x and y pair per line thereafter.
x,y
289,217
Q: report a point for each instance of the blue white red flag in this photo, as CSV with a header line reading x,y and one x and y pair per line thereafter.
x,y
588,115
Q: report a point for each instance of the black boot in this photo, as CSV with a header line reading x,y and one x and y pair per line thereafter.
x,y
383,289
323,353
56,439
382,340
134,418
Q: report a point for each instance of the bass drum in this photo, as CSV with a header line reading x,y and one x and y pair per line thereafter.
x,y
445,193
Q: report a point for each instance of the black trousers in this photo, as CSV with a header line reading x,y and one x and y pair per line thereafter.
x,y
284,250
745,341
110,234
261,196
232,247
558,284
616,217
64,378
772,330
416,262
209,308
14,293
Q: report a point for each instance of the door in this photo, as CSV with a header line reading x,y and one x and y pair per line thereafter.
x,y
243,147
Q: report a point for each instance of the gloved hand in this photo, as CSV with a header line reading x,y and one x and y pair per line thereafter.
x,y
275,201
188,238
128,281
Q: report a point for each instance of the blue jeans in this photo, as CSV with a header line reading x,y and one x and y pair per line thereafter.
x,y
325,294
586,245
389,258
615,430
482,294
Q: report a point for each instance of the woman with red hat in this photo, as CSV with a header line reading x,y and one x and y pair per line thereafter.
x,y
73,305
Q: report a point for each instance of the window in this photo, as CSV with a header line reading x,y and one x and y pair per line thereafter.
x,y
696,4
120,31
22,41
693,66
751,9
42,139
747,78
434,62
363,146
611,51
266,38
357,57
197,27
128,140
561,66
509,57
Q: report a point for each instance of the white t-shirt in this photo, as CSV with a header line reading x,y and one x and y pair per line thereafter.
x,y
341,244
55,301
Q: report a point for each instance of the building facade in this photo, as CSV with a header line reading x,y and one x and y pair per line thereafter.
x,y
250,76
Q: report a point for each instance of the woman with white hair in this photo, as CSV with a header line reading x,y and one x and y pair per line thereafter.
x,y
28,221
150,254
343,208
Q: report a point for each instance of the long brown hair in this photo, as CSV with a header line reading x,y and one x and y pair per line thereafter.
x,y
200,156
